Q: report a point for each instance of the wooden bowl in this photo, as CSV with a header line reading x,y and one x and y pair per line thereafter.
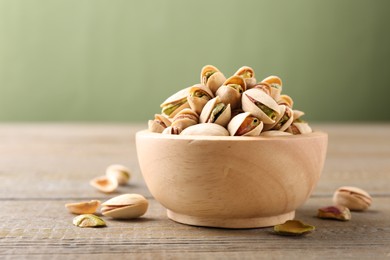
x,y
231,182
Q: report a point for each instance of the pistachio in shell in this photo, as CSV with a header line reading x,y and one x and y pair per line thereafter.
x,y
283,120
215,111
159,123
334,212
353,198
211,77
245,124
248,74
125,206
285,100
261,105
208,129
198,96
293,228
185,118
175,103
276,86
231,90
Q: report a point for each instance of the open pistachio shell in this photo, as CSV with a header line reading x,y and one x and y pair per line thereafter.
x,y
245,124
175,103
272,133
119,172
84,207
265,87
285,100
231,90
198,96
211,77
293,228
299,128
171,130
216,112
353,198
261,105
298,114
248,74
276,86
185,118
209,129
159,123
283,120
125,206
104,184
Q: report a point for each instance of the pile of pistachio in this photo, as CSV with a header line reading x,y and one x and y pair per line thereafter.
x,y
236,106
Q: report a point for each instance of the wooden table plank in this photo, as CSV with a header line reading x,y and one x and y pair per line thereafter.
x,y
43,166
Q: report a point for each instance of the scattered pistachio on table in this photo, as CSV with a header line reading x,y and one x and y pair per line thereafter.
x,y
293,228
119,172
88,220
104,184
125,206
85,207
240,105
353,198
334,212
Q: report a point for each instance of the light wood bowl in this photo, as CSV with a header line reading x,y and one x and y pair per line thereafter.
x,y
231,182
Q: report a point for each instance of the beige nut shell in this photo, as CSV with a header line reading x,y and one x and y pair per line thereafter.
x,y
125,206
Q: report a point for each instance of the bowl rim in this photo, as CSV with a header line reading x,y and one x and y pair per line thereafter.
x,y
147,133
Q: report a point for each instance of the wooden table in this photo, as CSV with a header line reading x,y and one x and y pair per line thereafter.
x,y
44,166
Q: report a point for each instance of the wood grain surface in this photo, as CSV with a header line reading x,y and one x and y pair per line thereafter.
x,y
44,166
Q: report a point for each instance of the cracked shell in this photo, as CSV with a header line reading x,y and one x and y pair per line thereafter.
x,y
211,77
198,96
175,103
231,90
245,124
125,206
216,112
159,123
283,120
84,207
185,118
248,74
261,105
276,86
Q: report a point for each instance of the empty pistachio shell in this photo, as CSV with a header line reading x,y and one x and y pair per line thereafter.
x,y
293,228
85,207
119,172
352,197
104,184
334,212
88,220
212,77
126,206
178,101
209,129
248,74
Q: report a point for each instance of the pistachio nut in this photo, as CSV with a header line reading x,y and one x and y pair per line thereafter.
x,y
125,206
231,90
211,77
353,198
178,101
285,100
85,207
119,172
209,129
248,74
276,86
260,105
245,124
293,228
104,184
216,112
198,96
88,220
334,212
283,120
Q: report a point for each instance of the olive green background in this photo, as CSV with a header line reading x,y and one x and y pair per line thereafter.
x,y
117,60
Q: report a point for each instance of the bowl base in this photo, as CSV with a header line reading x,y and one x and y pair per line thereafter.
x,y
231,223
